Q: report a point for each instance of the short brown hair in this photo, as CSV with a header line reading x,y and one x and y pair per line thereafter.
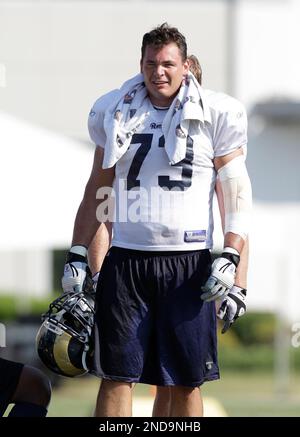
x,y
163,35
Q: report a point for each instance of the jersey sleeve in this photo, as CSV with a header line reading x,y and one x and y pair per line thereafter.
x,y
96,117
95,123
231,129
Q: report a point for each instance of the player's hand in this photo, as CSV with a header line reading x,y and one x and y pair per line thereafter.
x,y
222,276
233,306
75,270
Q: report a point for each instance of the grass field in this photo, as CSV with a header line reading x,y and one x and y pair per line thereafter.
x,y
241,394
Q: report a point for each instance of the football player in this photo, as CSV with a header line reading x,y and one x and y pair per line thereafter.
x,y
161,142
101,243
24,386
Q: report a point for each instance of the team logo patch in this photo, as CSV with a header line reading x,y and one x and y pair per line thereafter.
x,y
195,236
92,113
209,365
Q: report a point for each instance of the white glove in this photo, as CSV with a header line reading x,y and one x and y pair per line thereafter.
x,y
222,276
75,269
233,306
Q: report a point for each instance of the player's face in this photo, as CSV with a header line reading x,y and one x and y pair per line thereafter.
x,y
163,70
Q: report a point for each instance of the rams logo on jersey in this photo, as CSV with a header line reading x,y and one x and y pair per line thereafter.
x,y
155,125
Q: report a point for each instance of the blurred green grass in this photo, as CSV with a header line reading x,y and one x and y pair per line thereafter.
x,y
249,394
253,394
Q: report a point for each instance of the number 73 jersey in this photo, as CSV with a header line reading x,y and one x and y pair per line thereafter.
x,y
159,206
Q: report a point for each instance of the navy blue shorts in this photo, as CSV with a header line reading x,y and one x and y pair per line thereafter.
x,y
151,325
10,373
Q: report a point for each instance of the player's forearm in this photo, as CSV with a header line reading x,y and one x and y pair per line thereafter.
x,y
99,247
242,270
234,191
86,222
231,240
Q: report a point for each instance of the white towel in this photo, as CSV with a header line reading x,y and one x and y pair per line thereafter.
x,y
128,111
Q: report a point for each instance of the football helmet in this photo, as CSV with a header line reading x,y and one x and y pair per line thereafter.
x,y
64,340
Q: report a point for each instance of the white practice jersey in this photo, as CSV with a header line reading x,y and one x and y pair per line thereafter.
x,y
163,207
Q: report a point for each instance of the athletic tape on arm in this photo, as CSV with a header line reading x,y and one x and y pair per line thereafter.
x,y
237,195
